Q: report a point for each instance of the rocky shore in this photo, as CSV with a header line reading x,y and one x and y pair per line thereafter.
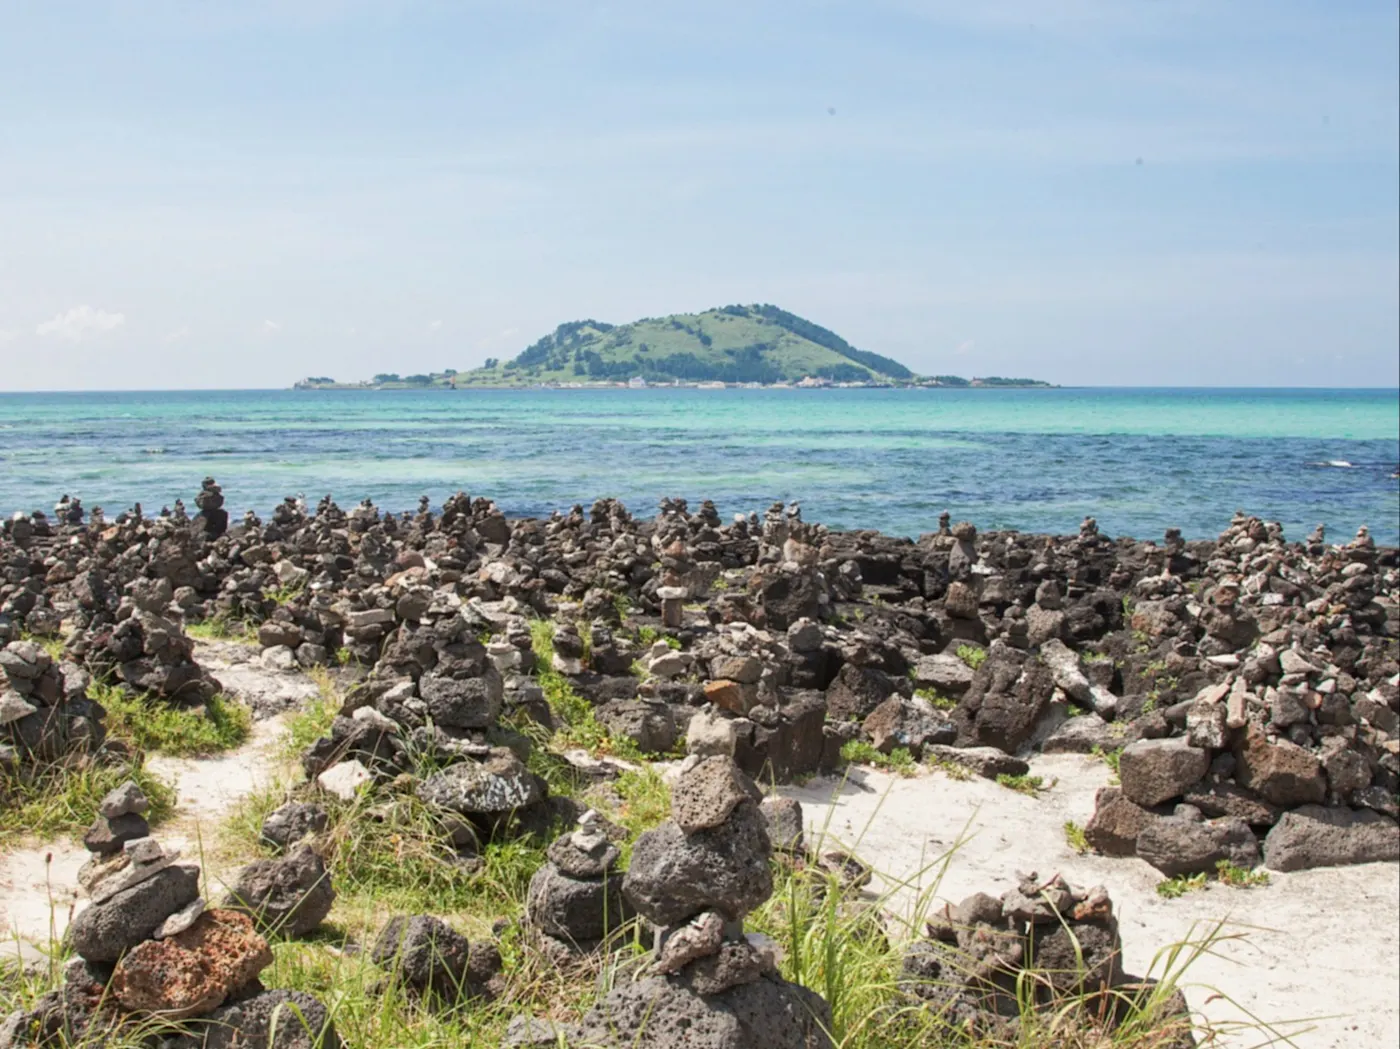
x,y
1246,688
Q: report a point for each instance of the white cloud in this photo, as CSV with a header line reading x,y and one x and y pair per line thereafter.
x,y
79,322
965,347
269,327
435,325
177,335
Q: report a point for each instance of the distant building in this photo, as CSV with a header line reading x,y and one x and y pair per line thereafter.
x,y
636,382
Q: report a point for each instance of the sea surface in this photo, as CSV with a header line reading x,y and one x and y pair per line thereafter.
x,y
1138,460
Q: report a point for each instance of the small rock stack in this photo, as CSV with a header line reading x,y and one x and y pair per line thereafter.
x,y
575,900
210,501
694,878
148,947
120,819
44,709
971,969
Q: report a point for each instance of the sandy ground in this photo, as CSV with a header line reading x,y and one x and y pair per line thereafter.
x,y
38,881
1320,957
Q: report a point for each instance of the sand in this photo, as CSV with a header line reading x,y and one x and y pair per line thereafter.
x,y
1320,953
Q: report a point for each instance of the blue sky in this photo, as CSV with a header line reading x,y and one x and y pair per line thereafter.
x,y
1184,192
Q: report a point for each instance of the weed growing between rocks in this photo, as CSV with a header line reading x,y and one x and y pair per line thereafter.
x,y
221,628
154,725
899,760
1226,873
578,726
973,656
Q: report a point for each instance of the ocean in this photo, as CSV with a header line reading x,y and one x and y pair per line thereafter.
x,y
1138,460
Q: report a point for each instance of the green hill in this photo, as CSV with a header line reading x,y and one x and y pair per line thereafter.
x,y
733,344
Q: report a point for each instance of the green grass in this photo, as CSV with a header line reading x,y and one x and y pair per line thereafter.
x,y
951,769
1239,877
63,801
650,635
973,656
151,724
1175,888
1108,757
935,700
220,628
284,595
898,761
51,645
578,724
1074,837
1029,785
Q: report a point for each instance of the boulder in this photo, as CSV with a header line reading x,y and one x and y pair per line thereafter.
x,y
1282,773
708,792
1114,828
268,1020
284,897
425,953
292,822
674,876
903,723
1177,845
1313,836
1156,770
194,971
493,787
767,1013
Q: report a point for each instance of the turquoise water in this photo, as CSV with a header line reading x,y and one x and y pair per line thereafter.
x,y
1139,460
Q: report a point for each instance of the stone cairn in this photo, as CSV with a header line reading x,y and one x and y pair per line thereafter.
x,y
693,879
971,968
45,715
149,948
575,900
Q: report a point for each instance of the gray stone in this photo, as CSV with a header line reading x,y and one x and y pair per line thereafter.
x,y
708,792
674,876
651,726
425,953
496,786
1156,770
286,897
106,837
107,930
289,824
269,1020
1313,836
765,1014
784,816
948,674
1176,845
710,733
463,703
126,800
985,761
576,910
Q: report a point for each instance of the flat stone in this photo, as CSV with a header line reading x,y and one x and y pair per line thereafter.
x,y
984,761
345,779
1314,836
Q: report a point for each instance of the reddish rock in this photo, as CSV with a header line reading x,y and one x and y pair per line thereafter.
x,y
193,972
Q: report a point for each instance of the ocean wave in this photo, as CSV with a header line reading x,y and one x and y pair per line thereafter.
x,y
1336,464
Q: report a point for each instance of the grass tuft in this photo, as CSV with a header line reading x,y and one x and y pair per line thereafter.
x,y
221,628
578,724
1074,837
151,724
898,761
62,801
1174,888
935,700
1028,785
973,656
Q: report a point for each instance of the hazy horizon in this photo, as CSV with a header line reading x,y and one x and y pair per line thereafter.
x,y
1116,194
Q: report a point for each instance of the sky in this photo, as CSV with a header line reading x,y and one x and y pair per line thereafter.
x,y
1093,192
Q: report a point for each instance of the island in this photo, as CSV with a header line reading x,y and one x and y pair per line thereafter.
x,y
755,345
